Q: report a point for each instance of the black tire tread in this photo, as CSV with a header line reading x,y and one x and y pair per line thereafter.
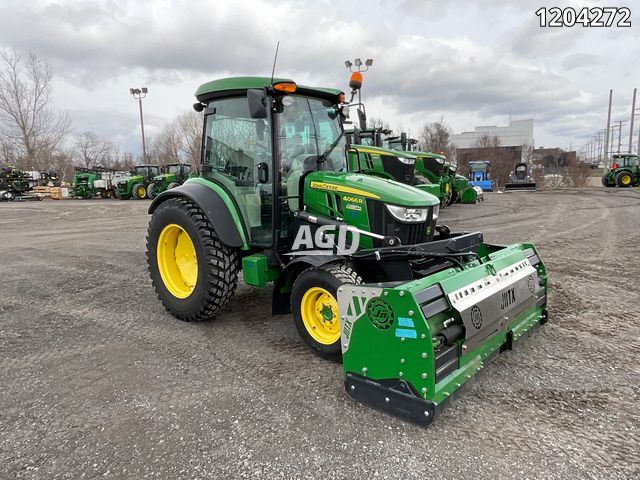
x,y
343,272
224,265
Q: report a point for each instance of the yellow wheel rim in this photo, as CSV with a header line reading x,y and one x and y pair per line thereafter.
x,y
319,311
142,192
446,187
177,261
626,179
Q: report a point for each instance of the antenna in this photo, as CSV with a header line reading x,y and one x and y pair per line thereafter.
x,y
275,59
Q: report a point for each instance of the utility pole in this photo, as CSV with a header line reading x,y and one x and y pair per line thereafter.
x,y
619,135
633,114
139,94
606,137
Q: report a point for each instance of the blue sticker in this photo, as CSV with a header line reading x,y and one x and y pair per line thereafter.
x,y
406,333
405,322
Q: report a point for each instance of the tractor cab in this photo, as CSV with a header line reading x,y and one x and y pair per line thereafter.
x,y
261,156
148,172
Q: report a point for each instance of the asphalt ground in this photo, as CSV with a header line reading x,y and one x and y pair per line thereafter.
x,y
98,381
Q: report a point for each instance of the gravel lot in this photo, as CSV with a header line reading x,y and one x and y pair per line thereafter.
x,y
97,380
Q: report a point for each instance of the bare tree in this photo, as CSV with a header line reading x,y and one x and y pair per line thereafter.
x,y
165,148
29,122
190,129
578,173
92,150
376,122
436,137
62,164
124,161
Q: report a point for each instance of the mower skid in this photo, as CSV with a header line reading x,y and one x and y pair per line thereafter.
x,y
408,349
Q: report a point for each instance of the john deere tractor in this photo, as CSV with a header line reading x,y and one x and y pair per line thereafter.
x,y
413,309
368,154
135,186
624,171
174,175
454,188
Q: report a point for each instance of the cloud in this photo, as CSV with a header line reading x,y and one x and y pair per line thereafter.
x,y
581,60
482,62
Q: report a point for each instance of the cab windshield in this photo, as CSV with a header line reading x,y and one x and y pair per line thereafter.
x,y
309,129
629,161
176,168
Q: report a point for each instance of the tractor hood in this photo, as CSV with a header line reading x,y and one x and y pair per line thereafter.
x,y
132,179
368,186
383,151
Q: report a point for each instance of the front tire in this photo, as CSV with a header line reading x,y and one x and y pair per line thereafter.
x,y
315,307
173,185
139,191
192,272
151,191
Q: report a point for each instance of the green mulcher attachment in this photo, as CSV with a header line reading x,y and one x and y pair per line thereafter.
x,y
409,347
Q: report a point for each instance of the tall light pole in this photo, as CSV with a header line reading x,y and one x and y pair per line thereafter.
x,y
139,94
633,114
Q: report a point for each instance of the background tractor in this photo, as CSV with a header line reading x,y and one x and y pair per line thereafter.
x,y
359,260
135,185
173,176
624,171
454,188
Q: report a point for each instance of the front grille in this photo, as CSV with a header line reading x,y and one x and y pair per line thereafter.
x,y
383,223
400,172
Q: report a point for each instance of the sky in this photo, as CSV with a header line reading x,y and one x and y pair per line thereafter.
x,y
472,63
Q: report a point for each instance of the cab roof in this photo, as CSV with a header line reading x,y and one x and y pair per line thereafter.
x,y
232,86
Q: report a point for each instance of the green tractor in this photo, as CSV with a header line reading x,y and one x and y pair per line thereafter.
x,y
624,171
413,309
366,154
14,183
135,186
174,175
454,188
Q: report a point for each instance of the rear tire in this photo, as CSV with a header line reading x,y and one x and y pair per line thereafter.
x,y
624,179
139,191
217,265
315,292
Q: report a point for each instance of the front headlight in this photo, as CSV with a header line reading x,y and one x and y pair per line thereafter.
x,y
436,211
407,161
409,215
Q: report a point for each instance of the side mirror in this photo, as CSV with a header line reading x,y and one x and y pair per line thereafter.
x,y
257,103
263,172
344,112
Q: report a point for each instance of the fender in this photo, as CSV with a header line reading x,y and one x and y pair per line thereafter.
x,y
281,300
228,227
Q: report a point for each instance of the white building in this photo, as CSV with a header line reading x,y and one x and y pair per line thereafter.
x,y
518,133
